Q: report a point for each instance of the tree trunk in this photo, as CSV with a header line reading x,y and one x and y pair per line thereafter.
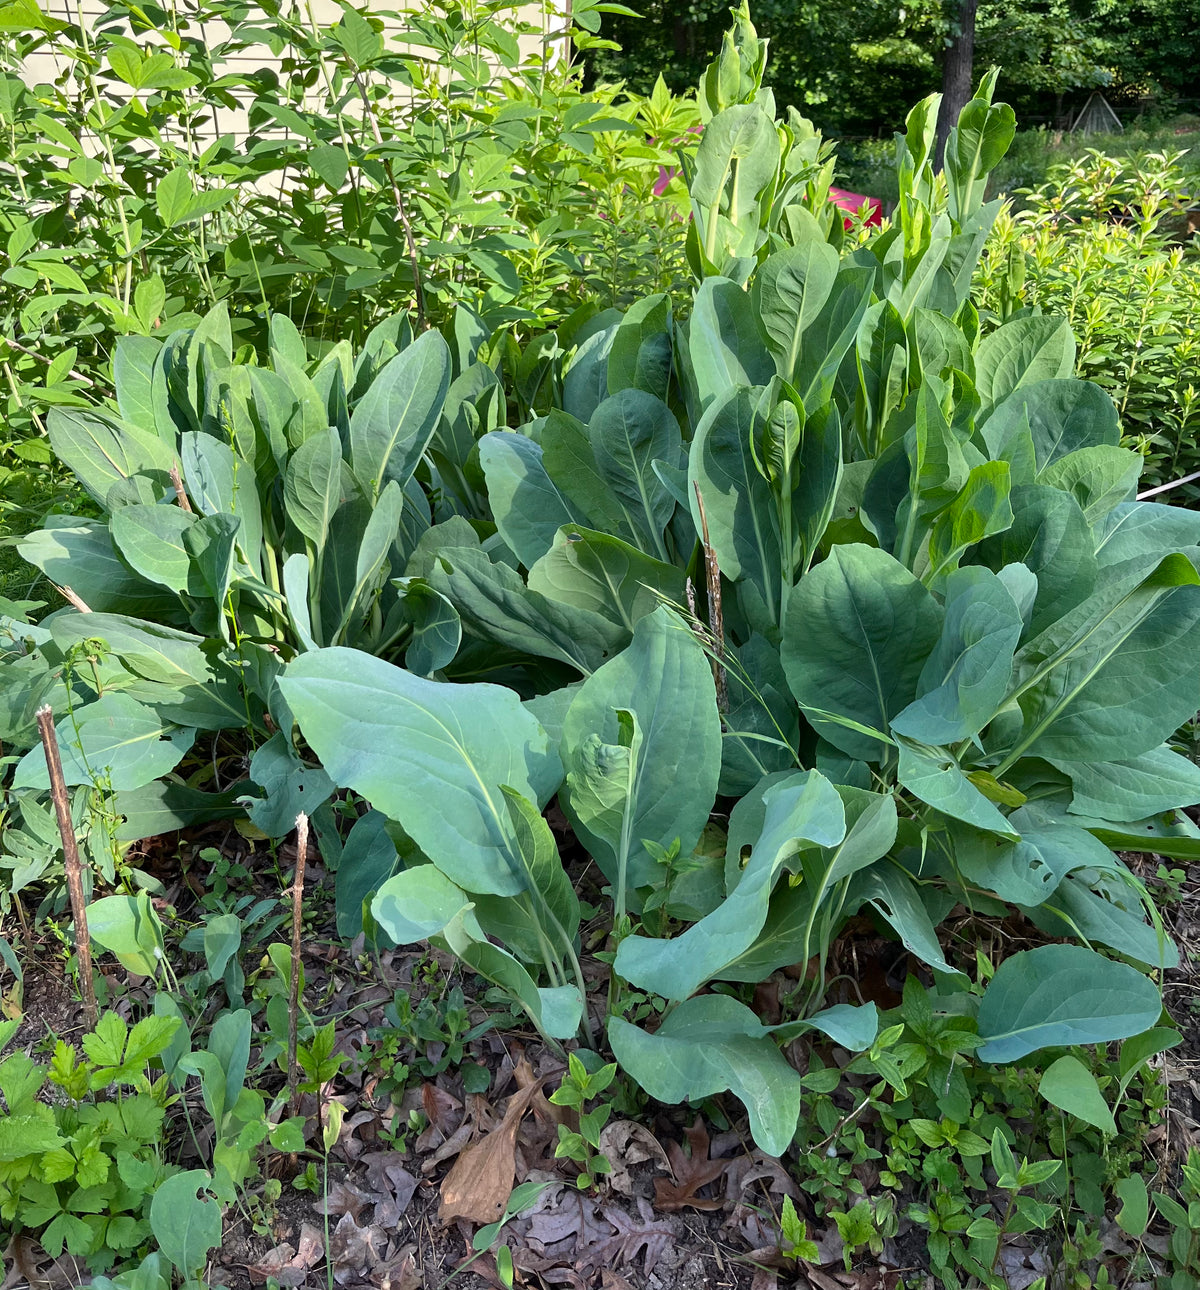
x,y
957,72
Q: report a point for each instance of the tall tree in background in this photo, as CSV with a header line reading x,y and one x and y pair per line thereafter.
x,y
957,72
855,68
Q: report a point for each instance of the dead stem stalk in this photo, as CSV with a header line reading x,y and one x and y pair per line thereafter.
x,y
716,616
294,984
62,808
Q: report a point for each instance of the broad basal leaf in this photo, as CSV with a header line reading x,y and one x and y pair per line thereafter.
x,y
395,419
968,673
708,1045
858,631
434,757
664,680
114,741
1059,995
803,811
1157,781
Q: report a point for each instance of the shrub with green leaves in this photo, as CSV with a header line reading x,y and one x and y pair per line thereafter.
x,y
362,178
1096,245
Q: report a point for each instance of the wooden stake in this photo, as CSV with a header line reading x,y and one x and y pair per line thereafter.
x,y
294,991
62,808
180,496
716,616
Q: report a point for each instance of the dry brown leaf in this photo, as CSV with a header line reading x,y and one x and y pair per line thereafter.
x,y
400,1272
455,1143
543,1108
481,1180
353,1249
626,1143
21,1257
611,1280
342,1198
287,1265
651,1238
691,1173
764,1279
443,1109
563,1218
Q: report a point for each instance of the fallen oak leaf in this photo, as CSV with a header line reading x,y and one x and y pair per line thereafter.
x,y
285,1265
626,1143
690,1174
481,1180
651,1238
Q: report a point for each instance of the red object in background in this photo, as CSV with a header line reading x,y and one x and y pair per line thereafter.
x,y
855,202
838,196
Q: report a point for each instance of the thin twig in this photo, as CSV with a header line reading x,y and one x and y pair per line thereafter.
x,y
41,358
62,808
716,617
68,595
180,496
1162,488
294,985
400,207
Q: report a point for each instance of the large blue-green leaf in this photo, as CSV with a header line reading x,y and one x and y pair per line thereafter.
x,y
133,367
1061,415
147,649
1118,674
101,451
1130,789
600,573
422,903
804,811
220,482
80,554
1050,536
981,510
1030,871
708,1045
527,506
312,488
369,859
114,741
726,346
151,540
496,605
434,757
1059,995
967,675
1021,352
1144,528
1106,909
790,290
743,525
934,776
641,352
859,629
664,680
1099,477
897,900
395,419
289,787
629,431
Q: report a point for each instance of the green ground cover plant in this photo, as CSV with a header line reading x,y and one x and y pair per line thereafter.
x,y
814,597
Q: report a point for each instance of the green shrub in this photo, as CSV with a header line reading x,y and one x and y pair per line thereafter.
x,y
1093,247
368,181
